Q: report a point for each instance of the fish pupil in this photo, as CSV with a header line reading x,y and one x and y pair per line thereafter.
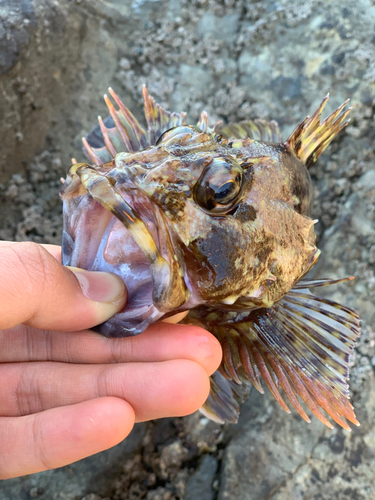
x,y
225,192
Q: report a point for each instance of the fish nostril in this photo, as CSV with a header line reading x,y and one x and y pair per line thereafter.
x,y
270,280
275,269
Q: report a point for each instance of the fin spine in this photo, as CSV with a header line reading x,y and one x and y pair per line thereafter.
x,y
311,137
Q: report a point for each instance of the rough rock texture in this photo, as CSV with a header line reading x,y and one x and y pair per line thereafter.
x,y
237,59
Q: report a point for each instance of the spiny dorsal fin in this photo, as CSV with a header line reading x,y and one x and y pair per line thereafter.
x,y
203,122
259,130
158,119
94,146
121,131
301,344
311,137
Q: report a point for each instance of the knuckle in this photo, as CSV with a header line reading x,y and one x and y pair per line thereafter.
x,y
35,262
27,393
40,444
35,271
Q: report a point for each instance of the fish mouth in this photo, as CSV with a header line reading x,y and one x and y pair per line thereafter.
x,y
126,235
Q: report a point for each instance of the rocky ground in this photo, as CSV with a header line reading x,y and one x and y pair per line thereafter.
x,y
236,59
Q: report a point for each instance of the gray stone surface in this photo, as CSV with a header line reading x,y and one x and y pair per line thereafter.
x,y
279,457
237,59
200,484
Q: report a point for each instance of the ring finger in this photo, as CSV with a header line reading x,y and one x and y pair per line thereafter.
x,y
154,390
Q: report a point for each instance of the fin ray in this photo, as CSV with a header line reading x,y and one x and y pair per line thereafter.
x,y
259,130
311,137
223,402
121,132
313,283
203,122
302,345
158,119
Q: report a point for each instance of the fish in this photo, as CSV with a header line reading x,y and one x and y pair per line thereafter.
x,y
215,220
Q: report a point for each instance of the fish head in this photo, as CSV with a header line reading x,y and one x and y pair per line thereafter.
x,y
192,220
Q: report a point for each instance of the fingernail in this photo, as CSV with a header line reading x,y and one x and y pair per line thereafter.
x,y
99,286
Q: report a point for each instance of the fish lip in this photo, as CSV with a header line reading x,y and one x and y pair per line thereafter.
x,y
140,310
164,265
118,192
138,201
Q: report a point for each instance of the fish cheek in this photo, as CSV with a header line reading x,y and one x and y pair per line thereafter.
x,y
210,262
245,213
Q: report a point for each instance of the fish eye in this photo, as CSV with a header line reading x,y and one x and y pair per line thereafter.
x,y
226,192
219,187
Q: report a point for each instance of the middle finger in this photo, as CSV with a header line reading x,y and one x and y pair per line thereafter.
x,y
154,390
160,342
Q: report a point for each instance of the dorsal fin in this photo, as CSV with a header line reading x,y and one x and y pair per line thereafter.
x,y
159,120
203,122
259,130
311,137
121,131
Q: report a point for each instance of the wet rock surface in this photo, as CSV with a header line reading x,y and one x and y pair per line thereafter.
x,y
237,60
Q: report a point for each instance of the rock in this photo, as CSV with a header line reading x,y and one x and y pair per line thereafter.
x,y
34,492
268,449
159,494
285,458
91,496
15,28
171,458
347,247
199,484
201,434
341,464
219,28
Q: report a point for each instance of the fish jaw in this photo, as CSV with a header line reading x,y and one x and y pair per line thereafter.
x,y
112,226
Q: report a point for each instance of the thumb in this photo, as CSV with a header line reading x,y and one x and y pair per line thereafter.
x,y
36,289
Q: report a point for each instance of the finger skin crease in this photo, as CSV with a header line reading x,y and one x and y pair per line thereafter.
x,y
32,272
102,386
117,350
25,391
38,443
44,281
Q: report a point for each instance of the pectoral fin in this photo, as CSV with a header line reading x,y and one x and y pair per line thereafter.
x,y
302,344
222,404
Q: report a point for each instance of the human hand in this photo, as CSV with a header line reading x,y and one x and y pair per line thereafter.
x,y
67,393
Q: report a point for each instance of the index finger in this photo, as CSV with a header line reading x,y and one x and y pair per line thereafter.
x,y
54,250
